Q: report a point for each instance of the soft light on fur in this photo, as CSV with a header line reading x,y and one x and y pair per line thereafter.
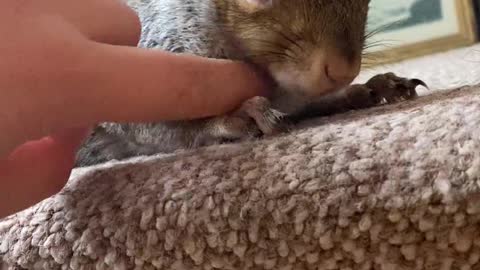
x,y
309,47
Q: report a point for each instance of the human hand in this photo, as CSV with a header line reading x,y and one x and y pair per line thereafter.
x,y
72,82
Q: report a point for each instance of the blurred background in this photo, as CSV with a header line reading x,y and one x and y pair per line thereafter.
x,y
411,28
436,40
403,13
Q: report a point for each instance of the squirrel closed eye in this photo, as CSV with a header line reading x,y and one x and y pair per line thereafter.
x,y
310,47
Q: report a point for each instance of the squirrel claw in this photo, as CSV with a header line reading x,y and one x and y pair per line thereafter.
x,y
383,88
418,82
254,119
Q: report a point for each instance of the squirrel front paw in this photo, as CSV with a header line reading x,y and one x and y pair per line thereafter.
x,y
253,119
383,88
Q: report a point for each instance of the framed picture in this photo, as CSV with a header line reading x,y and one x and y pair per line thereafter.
x,y
476,6
411,28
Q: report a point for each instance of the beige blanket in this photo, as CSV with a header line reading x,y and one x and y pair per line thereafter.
x,y
394,187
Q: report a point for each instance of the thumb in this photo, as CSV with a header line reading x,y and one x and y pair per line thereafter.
x,y
38,169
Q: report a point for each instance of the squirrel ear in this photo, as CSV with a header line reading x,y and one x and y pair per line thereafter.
x,y
255,5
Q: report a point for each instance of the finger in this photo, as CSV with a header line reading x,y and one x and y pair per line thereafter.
x,y
95,82
130,84
37,169
89,17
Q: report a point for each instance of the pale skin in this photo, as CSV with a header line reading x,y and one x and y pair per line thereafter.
x,y
67,65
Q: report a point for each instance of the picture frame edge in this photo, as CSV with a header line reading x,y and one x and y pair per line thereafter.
x,y
467,36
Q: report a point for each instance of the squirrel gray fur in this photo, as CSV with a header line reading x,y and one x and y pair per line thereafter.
x,y
311,48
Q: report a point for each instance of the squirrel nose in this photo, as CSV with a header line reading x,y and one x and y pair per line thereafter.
x,y
340,71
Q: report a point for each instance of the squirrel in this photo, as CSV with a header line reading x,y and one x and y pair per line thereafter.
x,y
312,49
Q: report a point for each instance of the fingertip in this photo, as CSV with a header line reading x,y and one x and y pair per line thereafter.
x,y
38,169
265,82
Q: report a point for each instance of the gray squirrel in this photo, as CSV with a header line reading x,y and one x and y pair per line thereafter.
x,y
312,49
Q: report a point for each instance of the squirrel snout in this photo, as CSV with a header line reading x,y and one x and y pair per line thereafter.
x,y
340,71
323,73
330,72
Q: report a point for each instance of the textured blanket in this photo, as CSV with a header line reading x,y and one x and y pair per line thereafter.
x,y
393,187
